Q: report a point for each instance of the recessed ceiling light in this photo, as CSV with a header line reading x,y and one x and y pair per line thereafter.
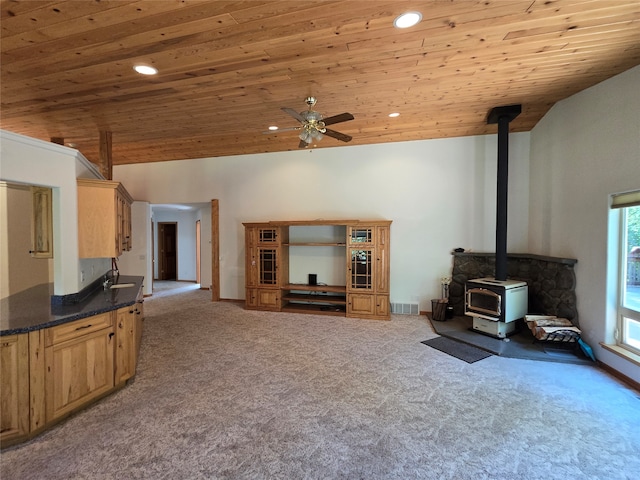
x,y
145,69
273,127
408,19
394,114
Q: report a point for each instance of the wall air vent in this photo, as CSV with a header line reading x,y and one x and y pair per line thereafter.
x,y
405,308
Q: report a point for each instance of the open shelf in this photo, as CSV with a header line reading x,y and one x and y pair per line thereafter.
x,y
315,288
318,299
316,309
311,298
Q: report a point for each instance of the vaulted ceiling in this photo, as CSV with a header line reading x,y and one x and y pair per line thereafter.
x,y
226,68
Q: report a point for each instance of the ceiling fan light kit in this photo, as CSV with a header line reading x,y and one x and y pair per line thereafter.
x,y
314,125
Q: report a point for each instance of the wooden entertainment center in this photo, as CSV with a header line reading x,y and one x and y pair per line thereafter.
x,y
338,267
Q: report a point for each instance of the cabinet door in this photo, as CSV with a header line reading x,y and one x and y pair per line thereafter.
x,y
41,223
382,260
360,271
251,300
78,370
251,257
97,234
268,258
360,236
123,223
104,219
268,235
125,363
126,226
269,299
139,321
14,394
361,305
382,306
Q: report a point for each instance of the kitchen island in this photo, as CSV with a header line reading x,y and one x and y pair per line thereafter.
x,y
60,353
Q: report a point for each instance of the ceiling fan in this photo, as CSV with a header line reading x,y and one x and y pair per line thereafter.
x,y
313,126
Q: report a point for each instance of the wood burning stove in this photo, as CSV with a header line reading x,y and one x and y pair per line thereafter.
x,y
495,305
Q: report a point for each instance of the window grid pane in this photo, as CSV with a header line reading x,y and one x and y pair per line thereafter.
x,y
268,267
267,235
361,269
361,235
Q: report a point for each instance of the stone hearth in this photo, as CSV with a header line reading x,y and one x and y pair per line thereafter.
x,y
551,280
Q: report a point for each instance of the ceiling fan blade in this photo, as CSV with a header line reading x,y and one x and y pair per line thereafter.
x,y
342,117
338,135
293,113
303,144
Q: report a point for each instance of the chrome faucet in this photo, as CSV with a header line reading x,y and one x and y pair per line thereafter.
x,y
108,278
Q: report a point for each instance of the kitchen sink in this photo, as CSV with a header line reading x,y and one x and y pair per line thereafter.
x,y
122,285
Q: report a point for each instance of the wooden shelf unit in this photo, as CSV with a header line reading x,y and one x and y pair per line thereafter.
x,y
364,245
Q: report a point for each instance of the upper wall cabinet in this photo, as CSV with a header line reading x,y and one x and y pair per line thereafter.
x,y
104,219
41,223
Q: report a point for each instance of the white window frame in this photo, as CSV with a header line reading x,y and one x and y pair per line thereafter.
x,y
625,314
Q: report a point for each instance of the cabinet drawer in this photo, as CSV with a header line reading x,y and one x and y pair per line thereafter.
x,y
78,328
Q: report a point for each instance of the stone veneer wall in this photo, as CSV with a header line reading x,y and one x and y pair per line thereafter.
x,y
551,281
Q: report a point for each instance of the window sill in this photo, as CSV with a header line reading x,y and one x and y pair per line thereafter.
x,y
626,354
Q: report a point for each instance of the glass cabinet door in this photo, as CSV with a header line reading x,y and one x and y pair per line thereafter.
x,y
267,235
267,266
361,269
360,235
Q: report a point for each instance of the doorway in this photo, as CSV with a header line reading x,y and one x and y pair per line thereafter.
x,y
167,250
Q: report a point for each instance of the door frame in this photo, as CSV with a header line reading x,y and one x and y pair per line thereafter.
x,y
215,250
198,248
161,249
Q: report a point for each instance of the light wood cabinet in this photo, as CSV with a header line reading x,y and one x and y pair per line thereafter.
x,y
49,373
128,330
265,267
364,290
139,322
125,361
79,363
42,222
104,219
14,396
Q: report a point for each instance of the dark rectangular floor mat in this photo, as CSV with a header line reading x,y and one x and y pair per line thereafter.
x,y
463,351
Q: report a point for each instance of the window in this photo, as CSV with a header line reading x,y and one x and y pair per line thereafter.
x,y
628,325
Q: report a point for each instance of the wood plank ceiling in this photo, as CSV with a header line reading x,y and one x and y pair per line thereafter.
x,y
227,67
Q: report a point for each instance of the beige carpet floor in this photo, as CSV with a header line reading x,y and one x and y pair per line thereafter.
x,y
225,393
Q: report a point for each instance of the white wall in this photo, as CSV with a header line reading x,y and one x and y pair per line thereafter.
x,y
137,261
440,194
586,148
34,162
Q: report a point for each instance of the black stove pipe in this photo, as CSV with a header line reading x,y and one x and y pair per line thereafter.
x,y
502,116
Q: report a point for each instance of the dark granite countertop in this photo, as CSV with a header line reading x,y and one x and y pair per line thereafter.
x,y
33,309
